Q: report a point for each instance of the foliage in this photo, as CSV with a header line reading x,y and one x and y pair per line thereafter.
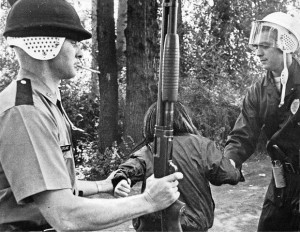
x,y
82,108
98,166
8,62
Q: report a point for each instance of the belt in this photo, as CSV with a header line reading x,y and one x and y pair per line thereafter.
x,y
290,168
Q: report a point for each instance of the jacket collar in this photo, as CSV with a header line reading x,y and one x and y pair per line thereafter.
x,y
294,75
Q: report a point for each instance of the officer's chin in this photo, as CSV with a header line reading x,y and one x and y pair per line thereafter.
x,y
70,75
265,66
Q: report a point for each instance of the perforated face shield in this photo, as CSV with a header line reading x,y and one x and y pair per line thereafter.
x,y
40,48
272,35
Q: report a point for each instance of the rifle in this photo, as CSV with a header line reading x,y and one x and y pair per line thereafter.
x,y
167,96
163,139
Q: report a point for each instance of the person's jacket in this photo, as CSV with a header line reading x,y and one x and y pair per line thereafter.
x,y
260,111
200,162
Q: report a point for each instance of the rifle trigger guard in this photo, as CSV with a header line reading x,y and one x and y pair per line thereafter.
x,y
172,167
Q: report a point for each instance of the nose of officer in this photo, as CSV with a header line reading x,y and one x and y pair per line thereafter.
x,y
259,51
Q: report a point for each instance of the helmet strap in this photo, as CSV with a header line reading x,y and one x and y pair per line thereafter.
x,y
283,78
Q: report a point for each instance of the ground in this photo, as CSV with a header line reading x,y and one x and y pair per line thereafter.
x,y
237,207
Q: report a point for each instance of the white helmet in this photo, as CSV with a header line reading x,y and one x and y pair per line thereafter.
x,y
278,30
281,31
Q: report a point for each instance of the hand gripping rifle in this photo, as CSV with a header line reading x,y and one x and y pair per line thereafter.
x,y
167,96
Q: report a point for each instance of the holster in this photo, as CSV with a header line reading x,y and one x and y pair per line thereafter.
x,y
277,157
278,173
276,153
288,195
278,196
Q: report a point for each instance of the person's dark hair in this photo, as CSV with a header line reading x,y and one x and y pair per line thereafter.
x,y
183,123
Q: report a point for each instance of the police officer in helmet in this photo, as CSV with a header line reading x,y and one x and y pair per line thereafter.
x,y
38,186
271,106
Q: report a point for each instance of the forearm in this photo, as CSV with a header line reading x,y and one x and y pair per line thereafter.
x,y
64,211
226,173
242,140
97,214
78,213
93,187
133,169
241,143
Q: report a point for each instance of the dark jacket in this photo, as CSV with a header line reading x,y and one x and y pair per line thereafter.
x,y
260,111
200,162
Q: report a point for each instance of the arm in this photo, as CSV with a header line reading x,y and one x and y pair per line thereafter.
x,y
225,173
137,168
64,211
221,170
94,187
242,140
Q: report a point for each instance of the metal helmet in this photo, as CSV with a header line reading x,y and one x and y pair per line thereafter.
x,y
53,18
278,30
40,27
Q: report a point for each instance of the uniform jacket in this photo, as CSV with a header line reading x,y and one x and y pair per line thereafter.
x,y
35,150
260,111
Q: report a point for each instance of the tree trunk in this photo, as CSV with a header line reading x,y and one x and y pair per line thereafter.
x,y
94,86
108,85
121,26
142,64
121,60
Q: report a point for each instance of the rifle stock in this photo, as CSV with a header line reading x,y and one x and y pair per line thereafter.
x,y
173,215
